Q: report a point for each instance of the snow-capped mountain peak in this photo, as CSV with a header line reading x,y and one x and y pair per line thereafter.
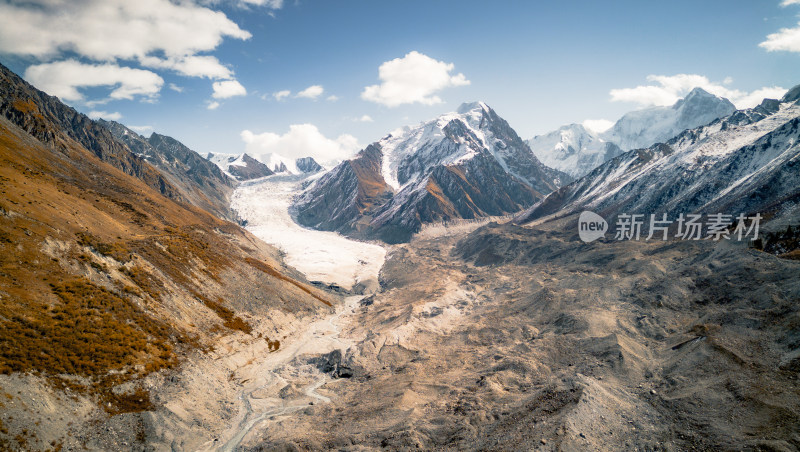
x,y
718,167
573,149
463,164
246,167
642,128
576,150
472,107
401,161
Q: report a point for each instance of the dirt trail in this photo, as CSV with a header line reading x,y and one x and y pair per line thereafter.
x,y
321,336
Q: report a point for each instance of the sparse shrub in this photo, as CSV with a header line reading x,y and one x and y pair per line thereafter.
x,y
90,332
229,318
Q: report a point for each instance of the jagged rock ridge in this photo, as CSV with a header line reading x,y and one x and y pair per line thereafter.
x,y
465,164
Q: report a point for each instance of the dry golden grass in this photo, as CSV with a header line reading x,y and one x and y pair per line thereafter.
x,y
229,319
65,311
89,332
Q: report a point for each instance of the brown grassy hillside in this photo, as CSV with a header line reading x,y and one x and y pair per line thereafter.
x,y
103,279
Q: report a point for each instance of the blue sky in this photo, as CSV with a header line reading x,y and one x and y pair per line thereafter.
x,y
154,64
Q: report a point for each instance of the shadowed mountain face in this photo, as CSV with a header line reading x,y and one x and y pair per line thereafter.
x,y
466,164
200,181
744,163
347,195
55,124
106,275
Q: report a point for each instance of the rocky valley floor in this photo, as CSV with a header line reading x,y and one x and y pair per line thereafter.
x,y
511,338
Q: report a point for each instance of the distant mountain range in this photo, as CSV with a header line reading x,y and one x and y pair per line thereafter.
x,y
577,150
465,164
245,167
746,162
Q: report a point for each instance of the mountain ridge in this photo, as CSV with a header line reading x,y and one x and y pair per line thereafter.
x,y
435,171
711,168
202,183
577,150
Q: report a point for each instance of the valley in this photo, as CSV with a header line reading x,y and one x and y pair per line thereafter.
x,y
326,257
430,292
509,337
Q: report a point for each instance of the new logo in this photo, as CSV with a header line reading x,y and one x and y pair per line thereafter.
x,y
591,226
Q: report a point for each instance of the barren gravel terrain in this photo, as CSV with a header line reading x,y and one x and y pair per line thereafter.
x,y
511,338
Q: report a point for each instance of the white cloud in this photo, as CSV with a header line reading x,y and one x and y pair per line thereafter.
x,y
191,66
753,98
212,105
95,114
415,78
598,125
312,92
332,98
105,30
302,140
281,95
667,89
786,39
158,34
274,4
365,118
228,88
63,79
175,88
141,129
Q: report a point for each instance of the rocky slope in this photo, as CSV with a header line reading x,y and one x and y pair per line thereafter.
x,y
465,164
109,288
200,181
529,339
743,163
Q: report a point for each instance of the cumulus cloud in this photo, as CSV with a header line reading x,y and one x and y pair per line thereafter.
x,y
302,140
786,39
64,78
191,66
281,95
212,105
156,34
95,114
141,129
365,118
332,98
106,30
228,88
312,92
598,125
414,78
176,88
274,4
667,89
